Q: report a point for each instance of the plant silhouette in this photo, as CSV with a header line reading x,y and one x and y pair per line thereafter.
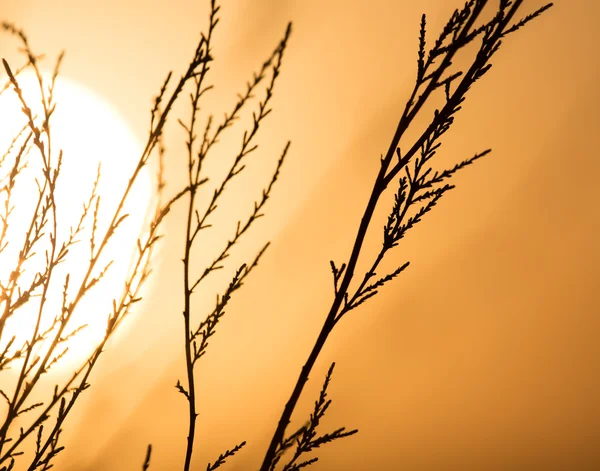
x,y
33,418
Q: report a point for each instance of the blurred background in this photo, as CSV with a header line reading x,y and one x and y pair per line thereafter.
x,y
482,355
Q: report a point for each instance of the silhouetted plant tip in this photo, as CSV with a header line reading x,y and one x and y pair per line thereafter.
x,y
223,456
306,438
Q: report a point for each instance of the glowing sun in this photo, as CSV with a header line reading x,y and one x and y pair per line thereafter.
x,y
89,132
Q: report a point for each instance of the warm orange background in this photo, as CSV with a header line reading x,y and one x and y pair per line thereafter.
x,y
484,355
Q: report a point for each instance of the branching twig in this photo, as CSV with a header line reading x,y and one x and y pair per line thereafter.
x,y
434,72
196,339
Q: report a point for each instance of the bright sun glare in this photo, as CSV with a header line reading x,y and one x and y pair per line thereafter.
x,y
89,131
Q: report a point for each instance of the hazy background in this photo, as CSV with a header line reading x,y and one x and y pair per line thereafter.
x,y
483,355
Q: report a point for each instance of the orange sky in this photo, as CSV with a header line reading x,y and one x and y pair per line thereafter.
x,y
483,355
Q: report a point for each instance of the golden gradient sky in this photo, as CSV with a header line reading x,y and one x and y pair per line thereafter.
x,y
483,355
